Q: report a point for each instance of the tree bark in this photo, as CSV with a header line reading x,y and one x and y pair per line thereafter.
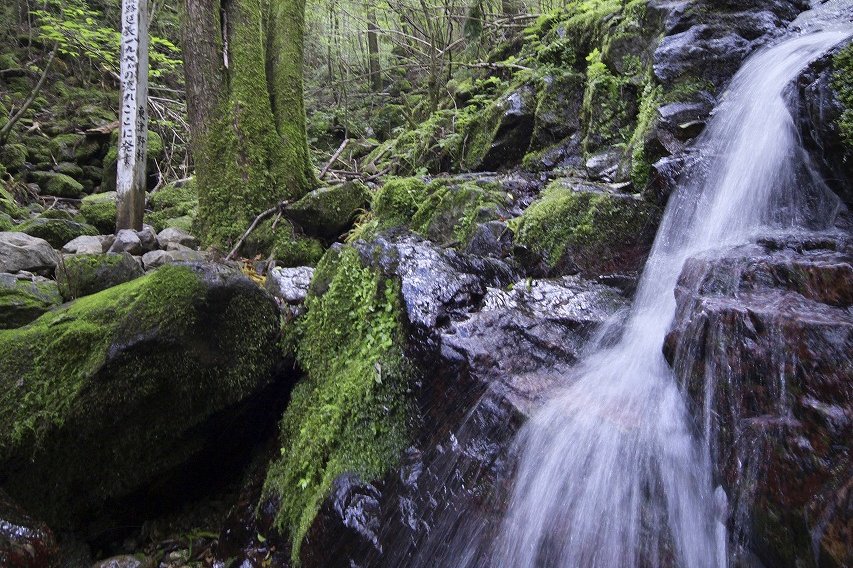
x,y
244,92
373,50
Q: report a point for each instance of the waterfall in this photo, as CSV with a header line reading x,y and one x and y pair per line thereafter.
x,y
610,472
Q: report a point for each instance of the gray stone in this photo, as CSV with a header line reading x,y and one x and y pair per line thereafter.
x,y
88,245
177,236
148,238
290,284
127,240
125,561
156,258
19,251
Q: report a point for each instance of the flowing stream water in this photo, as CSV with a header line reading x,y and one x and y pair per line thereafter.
x,y
610,471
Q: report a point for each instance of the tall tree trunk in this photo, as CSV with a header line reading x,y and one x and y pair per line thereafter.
x,y
244,92
373,50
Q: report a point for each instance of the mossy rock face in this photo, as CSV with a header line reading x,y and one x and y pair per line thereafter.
x,y
329,211
59,185
350,413
56,231
99,210
22,301
576,227
396,202
106,396
558,108
83,274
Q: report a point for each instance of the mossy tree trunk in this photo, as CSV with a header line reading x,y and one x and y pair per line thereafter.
x,y
243,65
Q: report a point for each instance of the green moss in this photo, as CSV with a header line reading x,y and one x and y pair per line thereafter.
x,y
9,205
59,185
591,227
605,110
147,361
56,231
452,211
842,82
396,202
350,413
255,153
99,210
171,203
641,160
330,211
13,156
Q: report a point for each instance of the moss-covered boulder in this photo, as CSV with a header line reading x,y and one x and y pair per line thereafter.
x,y
99,210
73,147
350,413
23,300
445,210
329,211
83,274
57,184
9,205
56,231
579,227
117,394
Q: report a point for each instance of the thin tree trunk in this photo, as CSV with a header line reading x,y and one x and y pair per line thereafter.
x,y
373,50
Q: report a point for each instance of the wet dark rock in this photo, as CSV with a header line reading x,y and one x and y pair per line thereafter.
x,y
817,110
517,112
604,166
492,239
24,541
436,284
770,328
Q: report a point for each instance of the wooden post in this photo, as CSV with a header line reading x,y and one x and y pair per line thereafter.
x,y
133,120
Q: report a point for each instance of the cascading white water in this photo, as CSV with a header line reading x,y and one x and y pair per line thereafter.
x,y
609,471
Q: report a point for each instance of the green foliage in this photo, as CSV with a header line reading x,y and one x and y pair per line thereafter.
x,y
604,106
640,160
350,413
842,82
78,30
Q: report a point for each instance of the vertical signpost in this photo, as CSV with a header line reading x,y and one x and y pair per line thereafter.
x,y
133,117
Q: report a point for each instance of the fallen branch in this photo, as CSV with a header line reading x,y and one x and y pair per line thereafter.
x,y
335,156
263,215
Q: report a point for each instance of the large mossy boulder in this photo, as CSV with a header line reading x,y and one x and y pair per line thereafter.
x,y
116,395
82,274
99,210
350,414
580,227
57,231
22,299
